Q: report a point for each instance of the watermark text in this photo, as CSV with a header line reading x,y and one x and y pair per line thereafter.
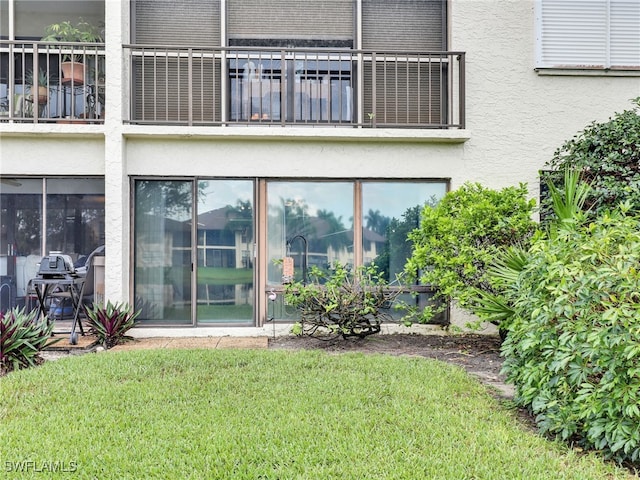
x,y
40,466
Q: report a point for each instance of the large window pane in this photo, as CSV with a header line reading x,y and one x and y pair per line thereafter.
x,y
162,250
225,252
72,213
312,222
75,216
20,237
390,211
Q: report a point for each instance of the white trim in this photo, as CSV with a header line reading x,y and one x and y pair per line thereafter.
x,y
262,134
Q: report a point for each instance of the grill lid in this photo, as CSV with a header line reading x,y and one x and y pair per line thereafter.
x,y
56,265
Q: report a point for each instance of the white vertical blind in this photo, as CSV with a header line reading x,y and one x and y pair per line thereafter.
x,y
588,34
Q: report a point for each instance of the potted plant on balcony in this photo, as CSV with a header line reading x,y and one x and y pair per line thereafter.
x,y
44,82
81,32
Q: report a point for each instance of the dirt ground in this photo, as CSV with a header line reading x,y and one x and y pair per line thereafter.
x,y
477,354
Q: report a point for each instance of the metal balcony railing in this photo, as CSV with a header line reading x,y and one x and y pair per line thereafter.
x,y
279,87
235,86
51,82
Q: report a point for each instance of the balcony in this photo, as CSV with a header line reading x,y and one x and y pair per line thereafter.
x,y
237,86
44,82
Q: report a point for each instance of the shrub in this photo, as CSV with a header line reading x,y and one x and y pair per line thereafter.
x,y
111,322
459,237
496,304
573,349
608,154
345,303
22,337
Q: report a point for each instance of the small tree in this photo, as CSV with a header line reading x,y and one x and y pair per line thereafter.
x,y
459,237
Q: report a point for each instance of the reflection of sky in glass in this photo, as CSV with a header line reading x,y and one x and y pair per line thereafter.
x,y
336,197
219,194
393,199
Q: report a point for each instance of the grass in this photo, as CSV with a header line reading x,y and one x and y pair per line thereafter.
x,y
269,414
225,276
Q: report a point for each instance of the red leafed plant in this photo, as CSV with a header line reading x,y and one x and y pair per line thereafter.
x,y
111,322
22,337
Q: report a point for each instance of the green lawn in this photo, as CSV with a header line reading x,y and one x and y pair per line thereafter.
x,y
214,414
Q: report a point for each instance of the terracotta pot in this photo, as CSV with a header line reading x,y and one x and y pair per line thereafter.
x,y
72,72
43,95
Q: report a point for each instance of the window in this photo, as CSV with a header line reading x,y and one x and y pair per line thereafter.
x,y
588,34
313,223
299,87
41,215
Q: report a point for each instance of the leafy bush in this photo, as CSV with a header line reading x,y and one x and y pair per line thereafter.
x,y
459,237
22,337
573,349
111,322
608,154
345,303
495,305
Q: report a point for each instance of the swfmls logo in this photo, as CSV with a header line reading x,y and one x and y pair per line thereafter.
x,y
40,466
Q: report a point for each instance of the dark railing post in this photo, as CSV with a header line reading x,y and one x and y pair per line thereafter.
x,y
284,90
374,83
190,86
461,89
35,101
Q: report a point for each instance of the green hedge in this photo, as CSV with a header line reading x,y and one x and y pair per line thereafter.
x,y
573,349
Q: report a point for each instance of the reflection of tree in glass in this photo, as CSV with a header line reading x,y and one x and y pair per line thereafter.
x,y
377,222
27,231
398,248
170,199
334,234
73,223
296,216
240,219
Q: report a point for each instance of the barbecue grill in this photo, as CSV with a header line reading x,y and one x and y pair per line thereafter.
x,y
57,278
56,265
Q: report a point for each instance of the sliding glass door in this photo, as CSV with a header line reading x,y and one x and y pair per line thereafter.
x,y
163,250
225,243
200,257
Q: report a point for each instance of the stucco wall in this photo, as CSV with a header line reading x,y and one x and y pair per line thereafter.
x,y
41,154
516,116
360,158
